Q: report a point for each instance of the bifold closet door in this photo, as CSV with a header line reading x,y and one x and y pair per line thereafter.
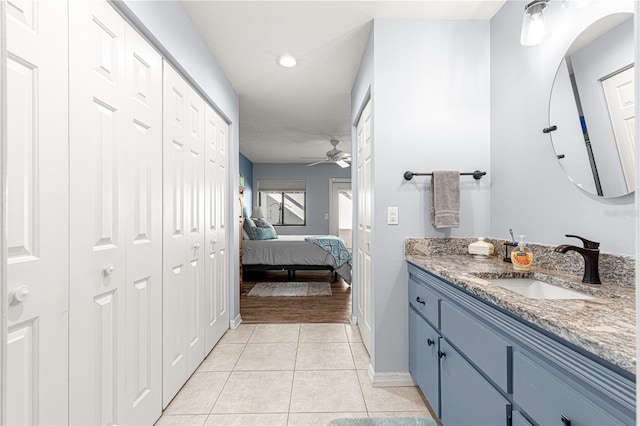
x,y
216,210
183,232
115,220
37,207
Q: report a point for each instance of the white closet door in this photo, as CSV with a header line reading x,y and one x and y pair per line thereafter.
x,y
142,402
364,228
37,237
97,228
216,196
194,167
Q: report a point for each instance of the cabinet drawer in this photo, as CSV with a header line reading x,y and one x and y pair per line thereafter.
x,y
424,301
466,397
546,398
481,345
423,358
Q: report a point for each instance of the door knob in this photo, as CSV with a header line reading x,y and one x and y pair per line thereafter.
x,y
19,295
108,270
196,246
214,241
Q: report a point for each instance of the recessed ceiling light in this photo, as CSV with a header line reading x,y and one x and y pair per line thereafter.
x,y
287,61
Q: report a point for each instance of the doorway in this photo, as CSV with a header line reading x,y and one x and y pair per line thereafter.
x,y
340,211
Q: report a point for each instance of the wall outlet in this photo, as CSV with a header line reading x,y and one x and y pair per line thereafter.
x,y
392,215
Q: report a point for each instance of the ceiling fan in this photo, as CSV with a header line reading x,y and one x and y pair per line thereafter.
x,y
336,156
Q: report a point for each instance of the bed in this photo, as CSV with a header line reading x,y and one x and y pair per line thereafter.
x,y
291,253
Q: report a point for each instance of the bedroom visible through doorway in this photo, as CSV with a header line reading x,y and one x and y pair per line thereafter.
x,y
340,210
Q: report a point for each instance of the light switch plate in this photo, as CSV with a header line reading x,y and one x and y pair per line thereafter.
x,y
392,215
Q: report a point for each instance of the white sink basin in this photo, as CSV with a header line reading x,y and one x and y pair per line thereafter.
x,y
535,289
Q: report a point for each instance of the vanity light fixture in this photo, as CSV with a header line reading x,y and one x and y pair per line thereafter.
x,y
536,23
287,61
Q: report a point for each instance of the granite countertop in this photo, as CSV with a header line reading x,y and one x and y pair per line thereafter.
x,y
605,326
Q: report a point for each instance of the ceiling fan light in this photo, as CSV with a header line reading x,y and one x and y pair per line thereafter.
x,y
536,23
287,61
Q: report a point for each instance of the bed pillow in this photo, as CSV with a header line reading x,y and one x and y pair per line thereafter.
x,y
249,225
265,233
261,223
245,236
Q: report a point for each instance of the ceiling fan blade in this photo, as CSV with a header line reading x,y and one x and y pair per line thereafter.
x,y
342,163
319,162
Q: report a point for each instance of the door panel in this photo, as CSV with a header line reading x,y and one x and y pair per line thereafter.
x,y
97,232
216,283
142,396
37,212
364,229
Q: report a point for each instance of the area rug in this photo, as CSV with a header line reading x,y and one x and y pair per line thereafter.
x,y
291,289
384,421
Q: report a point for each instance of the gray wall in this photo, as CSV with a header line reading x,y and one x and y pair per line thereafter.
x,y
317,184
167,24
246,170
549,205
430,95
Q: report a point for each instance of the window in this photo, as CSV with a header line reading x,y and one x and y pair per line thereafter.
x,y
283,202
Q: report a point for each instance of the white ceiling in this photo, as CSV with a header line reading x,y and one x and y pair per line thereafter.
x,y
288,115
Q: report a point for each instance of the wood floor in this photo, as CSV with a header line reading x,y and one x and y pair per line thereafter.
x,y
319,309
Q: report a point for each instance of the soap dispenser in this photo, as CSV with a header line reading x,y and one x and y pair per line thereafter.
x,y
522,257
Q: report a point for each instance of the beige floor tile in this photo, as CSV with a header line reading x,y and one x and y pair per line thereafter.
x,y
323,333
400,414
181,419
360,355
223,357
353,333
276,333
263,419
324,356
326,391
267,356
320,419
239,335
255,392
199,394
390,398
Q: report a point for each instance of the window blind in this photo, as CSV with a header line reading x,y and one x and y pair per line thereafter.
x,y
282,185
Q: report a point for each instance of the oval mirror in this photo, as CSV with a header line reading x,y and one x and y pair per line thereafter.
x,y
592,108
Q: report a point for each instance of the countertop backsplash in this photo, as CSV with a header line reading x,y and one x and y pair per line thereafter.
x,y
614,269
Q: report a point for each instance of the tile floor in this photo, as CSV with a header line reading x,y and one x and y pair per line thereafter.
x,y
287,374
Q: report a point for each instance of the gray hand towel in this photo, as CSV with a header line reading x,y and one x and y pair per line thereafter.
x,y
445,199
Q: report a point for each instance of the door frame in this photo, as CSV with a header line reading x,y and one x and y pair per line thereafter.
x,y
333,209
3,210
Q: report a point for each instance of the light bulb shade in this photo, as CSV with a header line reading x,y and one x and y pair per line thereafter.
x,y
536,23
258,212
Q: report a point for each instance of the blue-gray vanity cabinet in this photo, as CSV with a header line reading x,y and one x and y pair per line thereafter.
x,y
423,359
466,397
495,362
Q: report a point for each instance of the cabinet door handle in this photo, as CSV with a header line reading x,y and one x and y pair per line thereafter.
x,y
441,354
420,300
430,342
566,421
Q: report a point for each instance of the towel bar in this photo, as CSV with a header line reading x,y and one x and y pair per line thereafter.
x,y
477,175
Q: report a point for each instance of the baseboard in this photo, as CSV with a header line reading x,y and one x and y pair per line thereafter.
x,y
354,320
235,323
390,379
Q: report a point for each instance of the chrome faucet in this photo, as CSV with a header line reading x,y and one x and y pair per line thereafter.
x,y
590,252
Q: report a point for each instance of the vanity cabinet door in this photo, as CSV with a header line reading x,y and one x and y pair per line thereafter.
x,y
547,398
423,358
424,301
517,419
467,398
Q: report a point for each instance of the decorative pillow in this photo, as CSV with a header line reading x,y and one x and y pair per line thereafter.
x,y
261,223
265,233
249,225
245,236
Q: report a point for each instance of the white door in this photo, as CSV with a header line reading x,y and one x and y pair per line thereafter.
x,y
97,226
620,94
216,290
364,229
142,396
37,204
194,167
183,236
